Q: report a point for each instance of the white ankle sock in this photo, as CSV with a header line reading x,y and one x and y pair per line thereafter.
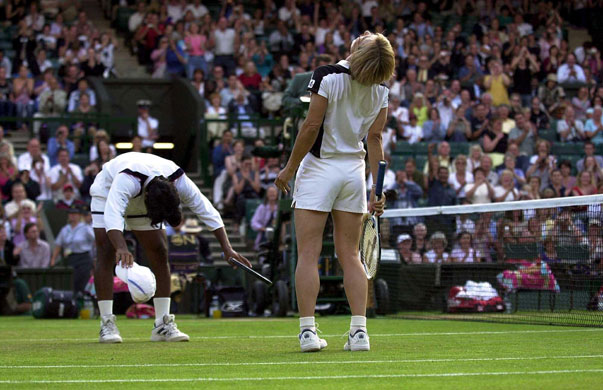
x,y
307,323
162,308
357,323
105,308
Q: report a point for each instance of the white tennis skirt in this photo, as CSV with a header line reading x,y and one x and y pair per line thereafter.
x,y
326,184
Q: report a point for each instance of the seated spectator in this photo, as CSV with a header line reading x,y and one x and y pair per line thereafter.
x,y
175,57
532,189
589,151
594,238
437,252
215,111
419,243
568,181
250,78
404,194
581,104
246,185
68,200
413,132
407,255
592,166
565,231
551,94
459,128
108,149
584,185
63,173
74,97
399,113
524,135
474,160
241,109
18,195
479,121
269,172
265,215
481,191
570,72
433,129
495,140
542,163
53,101
75,242
28,213
557,184
519,178
58,142
593,129
538,117
8,172
506,191
464,251
33,252
569,128
40,181
486,165
15,298
419,108
461,176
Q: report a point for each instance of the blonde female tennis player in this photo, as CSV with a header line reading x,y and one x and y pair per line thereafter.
x,y
348,103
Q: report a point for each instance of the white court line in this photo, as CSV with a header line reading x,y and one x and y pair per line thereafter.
x,y
291,336
301,378
304,362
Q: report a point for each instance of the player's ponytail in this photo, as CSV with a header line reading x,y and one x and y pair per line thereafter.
x,y
163,202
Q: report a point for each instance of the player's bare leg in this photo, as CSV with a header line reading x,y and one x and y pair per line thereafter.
x,y
155,247
346,234
309,228
103,282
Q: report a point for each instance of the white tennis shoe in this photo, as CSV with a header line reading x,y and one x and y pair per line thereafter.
x,y
310,342
359,341
168,331
109,334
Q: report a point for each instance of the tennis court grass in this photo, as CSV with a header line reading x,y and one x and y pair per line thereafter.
x,y
263,353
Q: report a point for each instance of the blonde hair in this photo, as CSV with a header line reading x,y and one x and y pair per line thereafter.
x,y
372,60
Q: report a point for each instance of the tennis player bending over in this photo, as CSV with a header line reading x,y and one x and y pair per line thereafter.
x,y
347,104
140,192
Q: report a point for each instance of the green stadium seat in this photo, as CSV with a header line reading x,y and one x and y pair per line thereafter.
x,y
81,159
6,45
398,162
548,134
599,149
457,148
123,16
574,253
421,148
567,149
526,251
421,160
404,148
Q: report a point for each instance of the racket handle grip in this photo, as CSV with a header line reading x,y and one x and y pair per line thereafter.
x,y
380,177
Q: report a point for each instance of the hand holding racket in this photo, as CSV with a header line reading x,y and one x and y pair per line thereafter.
x,y
370,244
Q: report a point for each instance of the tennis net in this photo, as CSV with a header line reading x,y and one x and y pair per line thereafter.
x,y
537,261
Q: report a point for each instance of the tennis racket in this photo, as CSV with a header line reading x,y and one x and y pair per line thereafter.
x,y
251,271
370,242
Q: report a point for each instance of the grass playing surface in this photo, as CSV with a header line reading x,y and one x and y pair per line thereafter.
x,y
263,353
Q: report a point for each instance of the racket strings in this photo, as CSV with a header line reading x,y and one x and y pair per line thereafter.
x,y
369,246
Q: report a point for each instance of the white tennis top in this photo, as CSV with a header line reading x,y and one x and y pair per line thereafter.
x,y
123,179
351,110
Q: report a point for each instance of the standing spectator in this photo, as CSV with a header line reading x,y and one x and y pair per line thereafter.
x,y
137,18
570,72
481,191
497,83
593,130
281,41
437,253
8,173
551,94
147,125
538,117
198,9
63,173
246,184
23,87
33,152
407,255
226,41
464,251
524,66
76,241
33,252
569,128
219,154
195,46
461,175
175,58
265,215
158,56
506,191
407,193
459,129
523,135
59,141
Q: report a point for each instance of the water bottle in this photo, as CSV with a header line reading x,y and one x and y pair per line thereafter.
x,y
508,306
214,308
87,311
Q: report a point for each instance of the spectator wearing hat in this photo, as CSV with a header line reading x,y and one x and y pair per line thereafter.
x,y
551,94
69,200
407,255
147,125
75,241
33,252
63,173
593,129
570,72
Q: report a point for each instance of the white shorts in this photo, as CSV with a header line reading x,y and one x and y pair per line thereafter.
x,y
136,212
326,184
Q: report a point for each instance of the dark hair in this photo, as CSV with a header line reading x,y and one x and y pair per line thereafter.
x,y
28,227
566,163
163,202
